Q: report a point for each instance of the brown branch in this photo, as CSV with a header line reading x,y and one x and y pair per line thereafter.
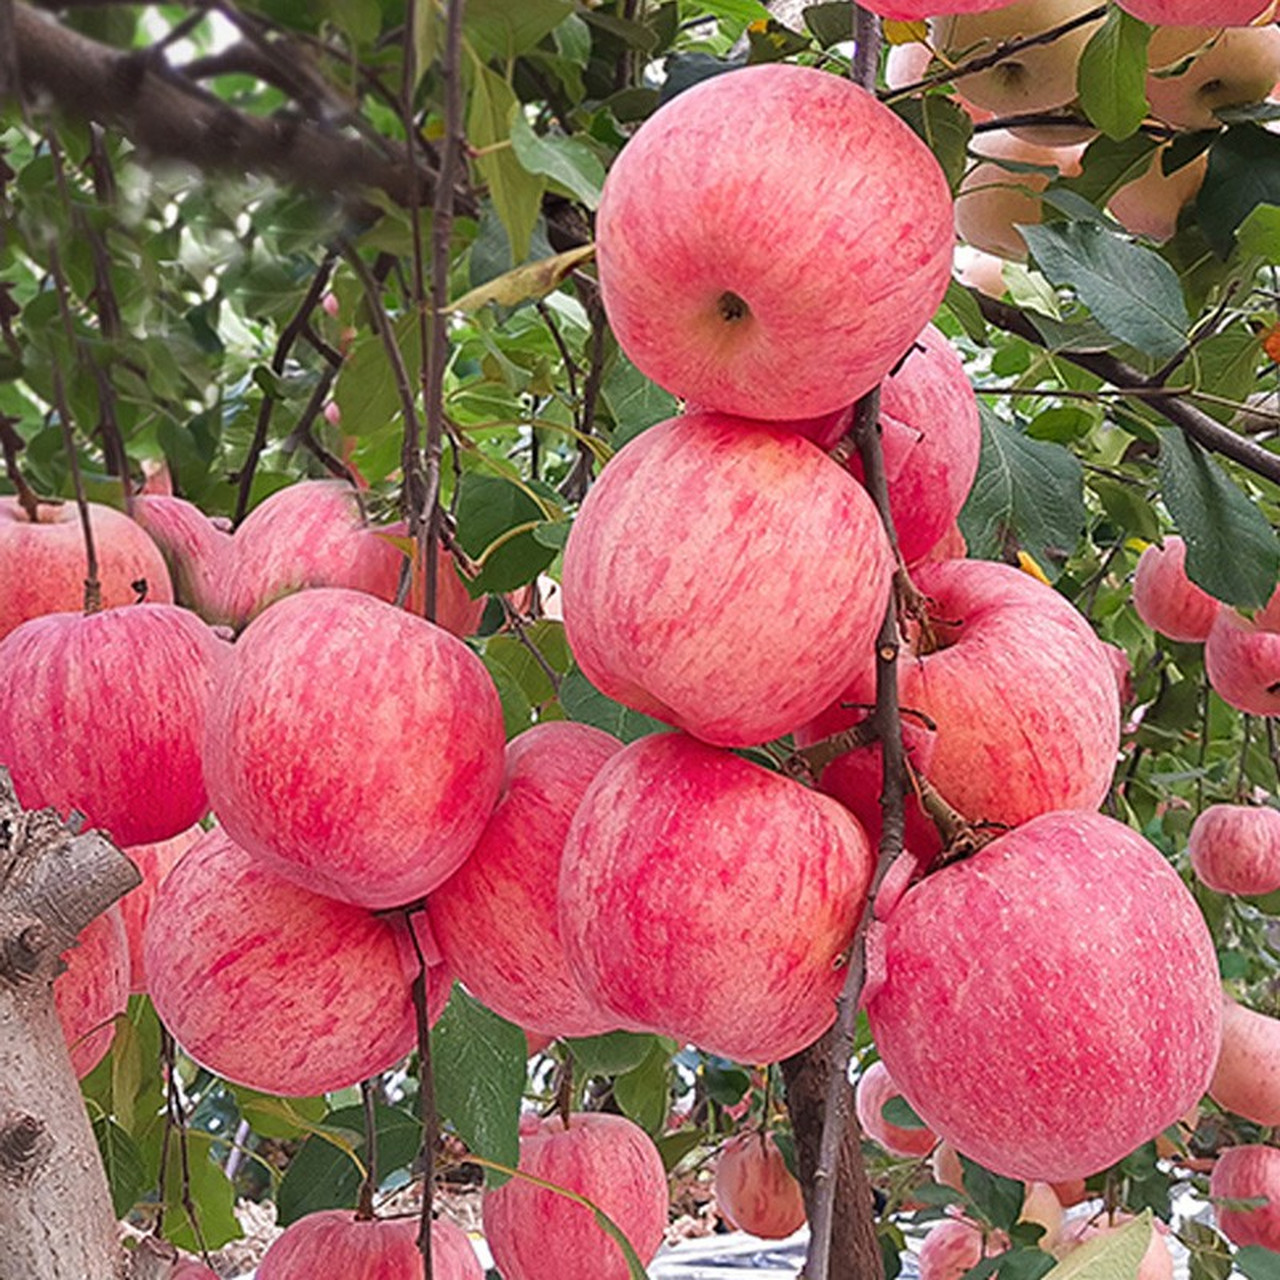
x,y
426,1095
12,444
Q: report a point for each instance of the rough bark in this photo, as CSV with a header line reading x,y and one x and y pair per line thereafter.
x,y
56,1220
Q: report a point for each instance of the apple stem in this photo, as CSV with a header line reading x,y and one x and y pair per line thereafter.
x,y
13,444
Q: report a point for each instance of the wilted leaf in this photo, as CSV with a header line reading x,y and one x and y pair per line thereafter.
x,y
1115,1256
532,280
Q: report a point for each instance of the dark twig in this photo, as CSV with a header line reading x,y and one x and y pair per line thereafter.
x,y
426,1098
12,444
369,1183
578,481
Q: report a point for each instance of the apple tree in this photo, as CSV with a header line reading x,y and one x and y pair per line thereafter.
x,y
411,409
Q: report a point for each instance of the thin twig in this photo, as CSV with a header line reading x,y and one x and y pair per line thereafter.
x,y
369,1183
426,1098
12,444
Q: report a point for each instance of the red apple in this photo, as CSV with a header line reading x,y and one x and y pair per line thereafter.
x,y
955,1245
915,10
496,917
354,747
1246,1080
42,564
875,1088
105,714
1198,13
1063,970
334,1242
1167,600
154,861
708,548
1235,848
189,1269
1248,1173
535,1234
714,220
197,551
93,989
273,986
1242,660
706,898
754,1187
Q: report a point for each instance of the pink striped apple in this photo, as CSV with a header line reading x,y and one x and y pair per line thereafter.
x,y
496,918
713,221
705,898
1235,848
1247,1077
354,747
1249,1173
197,551
154,862
754,1188
1242,660
875,1088
93,989
1167,600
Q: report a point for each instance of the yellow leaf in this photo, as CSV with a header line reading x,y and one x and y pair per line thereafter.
x,y
906,32
1028,565
532,280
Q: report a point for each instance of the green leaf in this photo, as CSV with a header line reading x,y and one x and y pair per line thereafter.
x,y
283,1118
1243,172
830,23
523,668
998,1199
898,1111
771,42
1112,74
609,1054
642,1092
517,710
1259,233
964,307
532,280
1258,1263
1027,490
1131,290
743,11
211,1195
1128,508
944,128
1108,1257
366,389
478,1060
634,402
567,161
500,29
1232,550
583,702
673,1147
1026,1263
123,1164
496,520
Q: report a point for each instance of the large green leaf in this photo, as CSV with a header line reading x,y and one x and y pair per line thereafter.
x,y
1114,1256
635,402
1232,550
609,1054
123,1164
1131,290
565,160
501,29
998,1200
583,702
643,1092
209,1193
945,129
496,523
1258,1263
1244,172
478,1060
1112,75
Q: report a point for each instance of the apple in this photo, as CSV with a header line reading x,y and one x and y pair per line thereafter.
x,y
1198,13
1248,1173
1041,1203
1242,660
189,1269
154,861
713,221
995,200
105,714
708,547
535,1234
1167,600
1150,204
43,566
708,899
274,986
755,1189
1235,848
955,1245
412,734
93,989
1035,79
197,551
1157,1261
496,918
906,63
875,1088
977,269
1230,67
1246,1080
335,1242
915,10
1062,970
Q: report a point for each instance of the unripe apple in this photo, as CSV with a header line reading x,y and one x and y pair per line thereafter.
x,y
43,566
334,1242
1198,13
398,797
535,1234
1150,204
1246,1080
711,209
755,1189
197,551
93,989
955,1245
1235,848
154,862
875,1088
1157,1261
676,870
496,918
105,714
1069,921
1231,67
708,547
273,986
1248,1173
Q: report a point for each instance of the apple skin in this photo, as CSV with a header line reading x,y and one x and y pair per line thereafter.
x,y
1235,848
755,1189
674,868
875,1088
398,797
1167,600
917,10
189,1269
154,861
129,690
711,212
1070,921
1240,65
708,547
197,551
1022,693
1242,660
1247,1173
1149,205
1157,1262
1197,13
535,1234
1246,1080
276,987
496,918
955,1245
92,989
42,565
335,1243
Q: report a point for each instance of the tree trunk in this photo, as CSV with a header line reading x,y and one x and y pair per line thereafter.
x,y
56,1219
855,1247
